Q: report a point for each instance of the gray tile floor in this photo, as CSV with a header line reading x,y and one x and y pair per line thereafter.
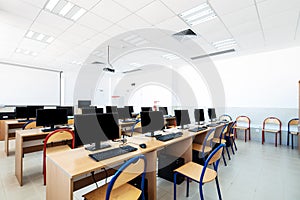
x,y
255,172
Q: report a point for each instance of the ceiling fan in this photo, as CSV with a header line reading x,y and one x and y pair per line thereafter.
x,y
108,67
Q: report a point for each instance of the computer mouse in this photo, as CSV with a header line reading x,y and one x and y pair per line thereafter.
x,y
143,146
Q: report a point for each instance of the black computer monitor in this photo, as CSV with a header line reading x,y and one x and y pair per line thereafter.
x,y
21,112
51,117
70,109
111,109
7,115
199,115
144,109
96,128
164,110
182,117
32,110
84,103
130,110
152,121
212,114
92,110
124,113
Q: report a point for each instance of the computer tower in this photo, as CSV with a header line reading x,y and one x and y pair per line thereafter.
x,y
137,183
166,166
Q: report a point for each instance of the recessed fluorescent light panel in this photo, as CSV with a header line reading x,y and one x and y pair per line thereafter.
x,y
26,52
224,43
65,9
197,15
135,40
170,56
39,37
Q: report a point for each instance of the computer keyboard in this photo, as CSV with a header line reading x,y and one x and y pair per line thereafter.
x,y
112,153
169,136
196,129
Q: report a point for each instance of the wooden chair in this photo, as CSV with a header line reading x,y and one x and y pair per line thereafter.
x,y
272,125
243,123
225,117
292,130
118,187
201,150
56,141
30,125
201,174
221,140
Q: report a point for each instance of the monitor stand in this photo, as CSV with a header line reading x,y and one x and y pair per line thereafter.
x,y
97,146
152,134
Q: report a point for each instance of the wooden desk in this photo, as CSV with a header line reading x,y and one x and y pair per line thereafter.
x,y
65,170
27,141
7,130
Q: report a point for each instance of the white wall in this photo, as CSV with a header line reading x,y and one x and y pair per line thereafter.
x,y
262,85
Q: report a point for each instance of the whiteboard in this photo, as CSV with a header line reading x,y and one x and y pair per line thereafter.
x,y
28,86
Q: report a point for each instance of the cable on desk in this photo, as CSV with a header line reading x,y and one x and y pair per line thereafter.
x,y
93,176
106,175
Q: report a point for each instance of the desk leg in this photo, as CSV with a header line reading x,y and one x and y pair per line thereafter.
x,y
151,173
59,184
6,140
19,159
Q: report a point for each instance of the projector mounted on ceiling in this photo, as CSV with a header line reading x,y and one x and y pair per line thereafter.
x,y
108,67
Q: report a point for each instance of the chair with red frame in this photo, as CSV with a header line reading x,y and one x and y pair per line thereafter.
x,y
272,125
57,141
243,123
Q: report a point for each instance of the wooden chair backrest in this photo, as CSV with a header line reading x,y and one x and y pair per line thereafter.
x,y
131,171
272,121
243,119
216,156
59,135
225,117
294,122
70,121
30,125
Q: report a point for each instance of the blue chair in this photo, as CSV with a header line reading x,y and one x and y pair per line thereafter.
x,y
292,130
220,140
225,117
201,174
29,125
119,183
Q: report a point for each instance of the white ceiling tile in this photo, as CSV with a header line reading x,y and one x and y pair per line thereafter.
x,y
133,22
252,40
206,47
10,35
245,28
155,12
37,3
46,29
53,21
81,31
212,31
183,5
174,24
19,8
6,50
17,21
85,4
114,31
133,5
32,45
110,10
273,7
94,22
279,35
240,17
96,41
228,6
58,48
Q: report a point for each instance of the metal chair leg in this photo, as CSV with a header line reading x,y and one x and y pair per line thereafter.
x,y
201,192
218,188
187,186
293,141
288,139
175,174
224,158
228,153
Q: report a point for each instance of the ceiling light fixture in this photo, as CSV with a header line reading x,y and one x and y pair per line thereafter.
x,y
65,9
224,43
26,52
199,14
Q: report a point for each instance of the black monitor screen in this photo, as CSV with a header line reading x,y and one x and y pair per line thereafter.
x,y
95,128
111,109
212,113
7,115
51,117
84,103
70,109
92,110
130,110
164,110
144,109
31,111
21,112
124,113
199,115
152,121
182,117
